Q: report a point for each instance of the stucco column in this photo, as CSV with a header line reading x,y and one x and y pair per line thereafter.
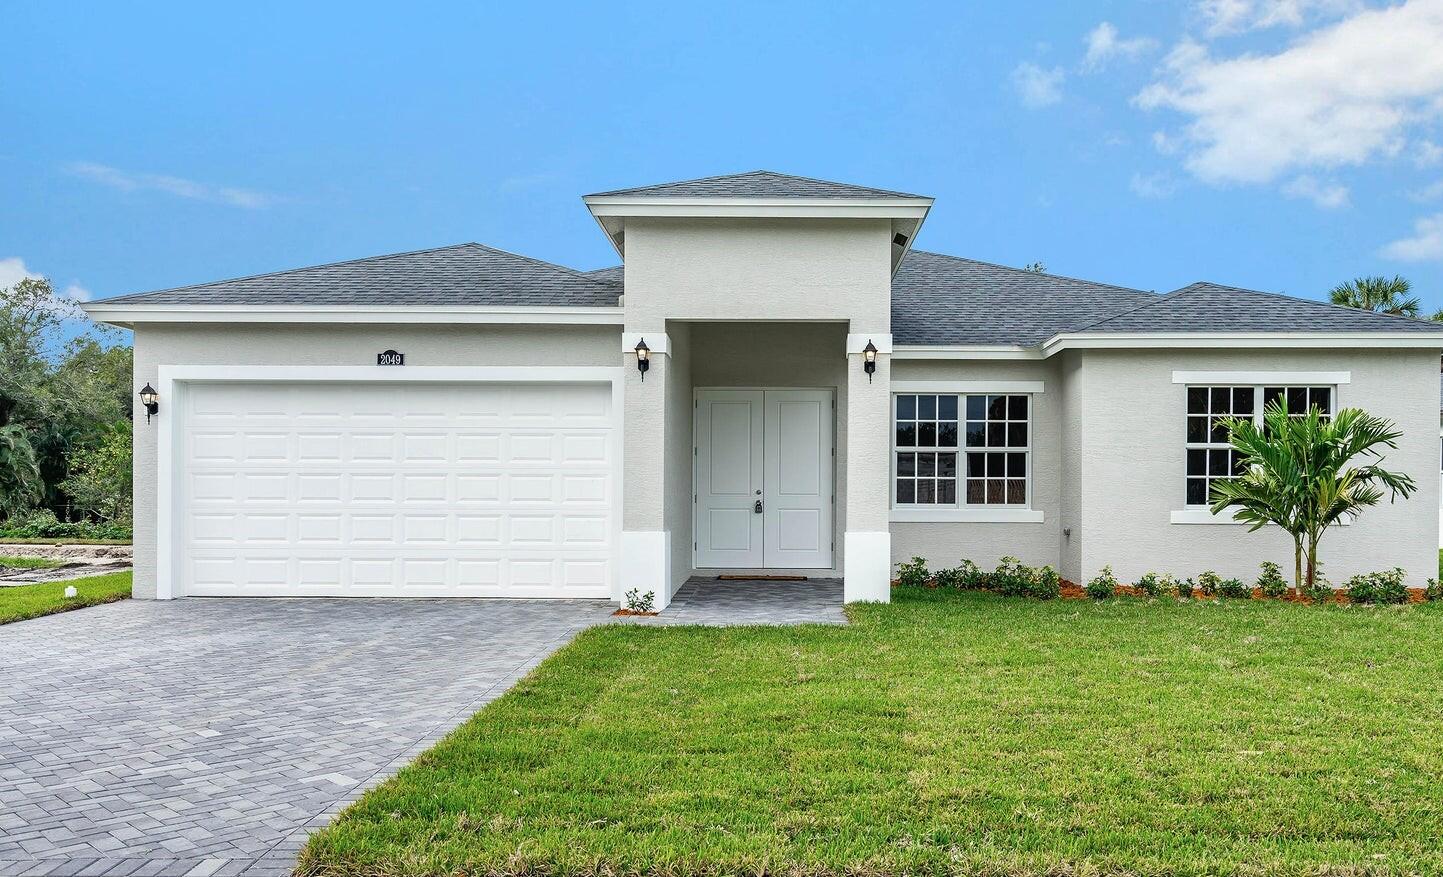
x,y
868,541
645,556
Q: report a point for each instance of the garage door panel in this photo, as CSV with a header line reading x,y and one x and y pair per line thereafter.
x,y
371,490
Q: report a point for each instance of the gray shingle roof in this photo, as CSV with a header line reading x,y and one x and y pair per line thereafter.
x,y
614,274
939,299
757,184
465,274
1211,307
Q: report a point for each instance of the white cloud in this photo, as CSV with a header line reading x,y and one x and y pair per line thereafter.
x,y
1103,45
1431,192
1426,153
1425,245
1329,196
1342,95
1165,143
13,270
1158,185
127,181
1038,87
1222,17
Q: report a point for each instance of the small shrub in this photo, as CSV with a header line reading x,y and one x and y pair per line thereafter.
x,y
1207,582
1271,581
643,603
963,577
1434,592
1046,584
1320,591
913,573
1185,589
1379,587
1102,587
1012,578
1234,589
949,578
42,524
1151,585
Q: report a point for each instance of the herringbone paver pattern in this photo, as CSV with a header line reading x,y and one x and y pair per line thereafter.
x,y
208,737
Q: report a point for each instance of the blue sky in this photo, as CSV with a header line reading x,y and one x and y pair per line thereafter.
x,y
1277,144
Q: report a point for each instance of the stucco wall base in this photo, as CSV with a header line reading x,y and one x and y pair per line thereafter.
x,y
869,568
645,565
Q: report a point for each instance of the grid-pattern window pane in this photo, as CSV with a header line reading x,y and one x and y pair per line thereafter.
x,y
990,433
1210,458
926,438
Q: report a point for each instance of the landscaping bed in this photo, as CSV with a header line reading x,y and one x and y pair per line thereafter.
x,y
22,602
951,732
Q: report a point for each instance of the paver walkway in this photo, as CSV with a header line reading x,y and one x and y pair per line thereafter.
x,y
209,737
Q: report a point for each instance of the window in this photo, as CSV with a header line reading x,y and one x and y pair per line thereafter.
x,y
990,433
1209,456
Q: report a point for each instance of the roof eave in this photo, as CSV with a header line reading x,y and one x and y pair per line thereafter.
x,y
128,315
1124,340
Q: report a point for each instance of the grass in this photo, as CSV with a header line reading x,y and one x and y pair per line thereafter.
x,y
32,601
944,734
50,540
28,562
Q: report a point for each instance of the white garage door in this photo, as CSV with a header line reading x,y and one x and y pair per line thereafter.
x,y
396,490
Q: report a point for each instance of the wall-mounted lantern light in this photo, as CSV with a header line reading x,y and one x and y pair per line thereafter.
x,y
643,358
150,399
869,360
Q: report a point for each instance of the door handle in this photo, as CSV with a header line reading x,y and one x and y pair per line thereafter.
x,y
758,507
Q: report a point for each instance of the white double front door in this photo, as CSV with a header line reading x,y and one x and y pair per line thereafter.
x,y
764,464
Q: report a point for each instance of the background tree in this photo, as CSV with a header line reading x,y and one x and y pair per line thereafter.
x,y
1383,295
100,476
1307,473
59,395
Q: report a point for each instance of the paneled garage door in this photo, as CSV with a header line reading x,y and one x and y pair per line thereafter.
x,y
396,490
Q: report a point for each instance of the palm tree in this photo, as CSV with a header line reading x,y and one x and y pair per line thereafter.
x,y
1381,294
20,483
1307,473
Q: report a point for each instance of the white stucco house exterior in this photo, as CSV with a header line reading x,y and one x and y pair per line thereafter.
x,y
772,379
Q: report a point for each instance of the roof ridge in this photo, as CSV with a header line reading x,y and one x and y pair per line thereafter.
x,y
535,261
1314,301
265,274
1158,299
753,173
1035,273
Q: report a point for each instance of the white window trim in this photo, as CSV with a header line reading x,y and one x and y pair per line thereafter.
x,y
173,383
1257,378
1203,514
962,513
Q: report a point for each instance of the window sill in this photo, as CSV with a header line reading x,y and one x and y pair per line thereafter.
x,y
966,516
1205,516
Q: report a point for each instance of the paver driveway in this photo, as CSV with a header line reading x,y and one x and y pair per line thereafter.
x,y
209,736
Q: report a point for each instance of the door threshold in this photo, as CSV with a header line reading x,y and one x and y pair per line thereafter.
x,y
760,578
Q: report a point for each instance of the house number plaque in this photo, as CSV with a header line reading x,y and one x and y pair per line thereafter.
x,y
390,357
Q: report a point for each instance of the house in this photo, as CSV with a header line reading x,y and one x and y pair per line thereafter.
x,y
773,379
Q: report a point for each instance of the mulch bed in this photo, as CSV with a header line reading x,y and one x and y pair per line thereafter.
x,y
1074,591
630,612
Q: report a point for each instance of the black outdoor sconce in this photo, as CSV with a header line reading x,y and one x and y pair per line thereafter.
x,y
643,358
869,360
150,399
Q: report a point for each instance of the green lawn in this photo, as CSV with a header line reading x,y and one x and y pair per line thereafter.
x,y
28,562
945,733
32,601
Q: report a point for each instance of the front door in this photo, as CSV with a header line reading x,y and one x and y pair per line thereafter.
x,y
764,479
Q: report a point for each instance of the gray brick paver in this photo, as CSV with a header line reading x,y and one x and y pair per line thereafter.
x,y
153,739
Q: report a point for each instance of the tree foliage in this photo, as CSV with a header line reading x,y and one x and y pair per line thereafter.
x,y
59,396
1383,295
1307,473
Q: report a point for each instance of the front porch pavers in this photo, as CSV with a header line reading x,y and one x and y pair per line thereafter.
x,y
711,601
209,737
